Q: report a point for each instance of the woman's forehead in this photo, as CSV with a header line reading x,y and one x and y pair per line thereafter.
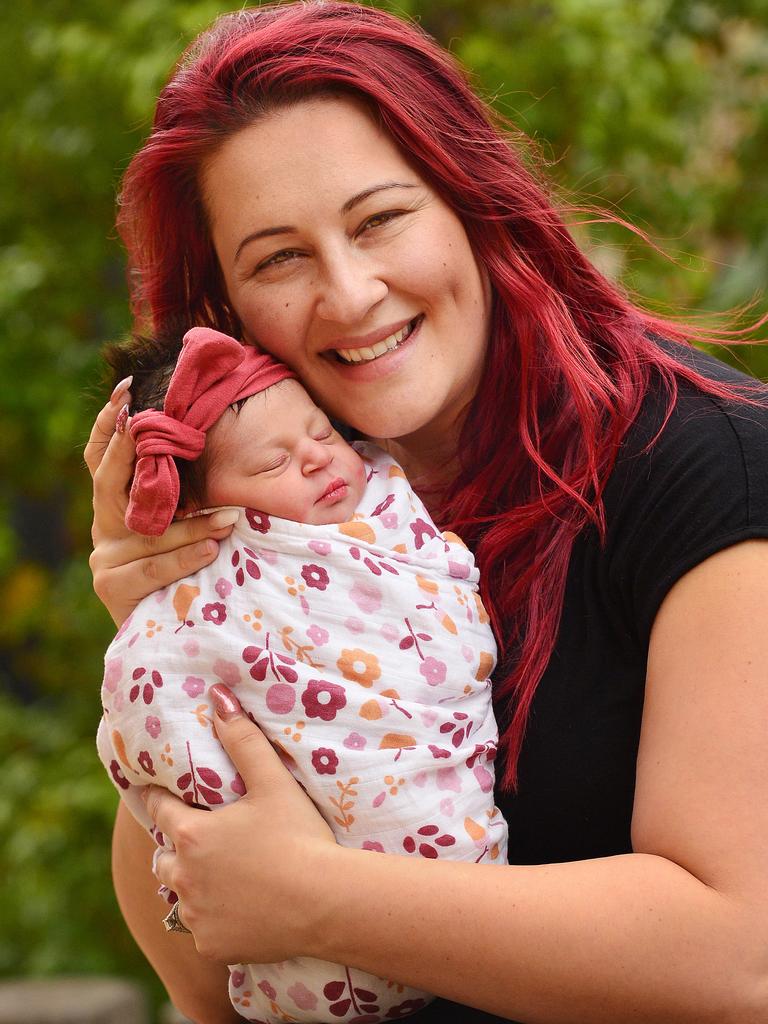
x,y
322,150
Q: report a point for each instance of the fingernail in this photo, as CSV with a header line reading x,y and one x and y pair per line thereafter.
x,y
144,793
122,420
226,703
206,548
224,517
120,389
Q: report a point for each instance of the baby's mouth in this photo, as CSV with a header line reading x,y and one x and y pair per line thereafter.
x,y
350,356
335,489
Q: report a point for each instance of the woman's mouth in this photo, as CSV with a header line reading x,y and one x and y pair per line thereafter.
x,y
381,348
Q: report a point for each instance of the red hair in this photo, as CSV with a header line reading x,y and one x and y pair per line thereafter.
x,y
570,358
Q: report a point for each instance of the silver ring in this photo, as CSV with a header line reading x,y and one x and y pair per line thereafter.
x,y
173,922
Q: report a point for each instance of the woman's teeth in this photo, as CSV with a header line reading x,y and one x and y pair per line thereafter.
x,y
365,355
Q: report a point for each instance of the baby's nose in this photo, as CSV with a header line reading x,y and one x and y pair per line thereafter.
x,y
316,456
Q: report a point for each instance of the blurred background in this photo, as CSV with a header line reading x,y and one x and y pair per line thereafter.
x,y
658,110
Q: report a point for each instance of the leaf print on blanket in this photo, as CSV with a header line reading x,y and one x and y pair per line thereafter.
x,y
199,782
433,669
244,561
373,563
301,650
427,839
147,688
344,803
264,659
343,995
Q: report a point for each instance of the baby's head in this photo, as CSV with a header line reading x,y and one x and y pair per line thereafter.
x,y
236,428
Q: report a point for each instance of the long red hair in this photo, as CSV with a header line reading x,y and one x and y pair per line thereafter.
x,y
570,357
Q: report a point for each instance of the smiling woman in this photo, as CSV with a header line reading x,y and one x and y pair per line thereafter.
x,y
321,181
372,295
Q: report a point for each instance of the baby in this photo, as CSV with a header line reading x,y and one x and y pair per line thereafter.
x,y
350,627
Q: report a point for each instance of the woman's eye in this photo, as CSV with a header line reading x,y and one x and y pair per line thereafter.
x,y
378,219
284,256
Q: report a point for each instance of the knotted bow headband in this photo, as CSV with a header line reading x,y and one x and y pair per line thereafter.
x,y
212,372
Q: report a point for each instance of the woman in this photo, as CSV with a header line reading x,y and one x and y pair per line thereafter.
x,y
320,180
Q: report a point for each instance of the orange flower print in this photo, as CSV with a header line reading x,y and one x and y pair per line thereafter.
x,y
359,666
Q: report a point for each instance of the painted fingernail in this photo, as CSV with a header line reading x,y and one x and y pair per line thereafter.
x,y
120,389
225,702
224,517
122,420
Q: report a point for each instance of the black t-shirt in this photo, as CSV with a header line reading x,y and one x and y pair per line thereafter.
x,y
702,487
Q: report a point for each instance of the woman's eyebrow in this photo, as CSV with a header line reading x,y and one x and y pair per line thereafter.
x,y
287,229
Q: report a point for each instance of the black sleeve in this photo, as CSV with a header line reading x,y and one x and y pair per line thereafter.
x,y
701,487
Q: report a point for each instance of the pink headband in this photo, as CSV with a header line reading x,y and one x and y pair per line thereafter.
x,y
213,371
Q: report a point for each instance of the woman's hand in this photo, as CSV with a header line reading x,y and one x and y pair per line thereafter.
x,y
126,566
246,875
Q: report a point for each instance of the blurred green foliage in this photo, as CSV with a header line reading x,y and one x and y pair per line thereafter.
x,y
657,110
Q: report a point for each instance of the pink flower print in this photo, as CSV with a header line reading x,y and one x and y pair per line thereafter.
x,y
422,531
223,588
322,699
355,741
366,595
484,778
371,844
390,520
153,726
447,778
433,670
318,635
227,671
315,576
118,776
280,699
258,521
118,702
193,686
389,632
145,760
215,613
446,807
191,648
114,669
320,547
302,997
267,989
354,625
324,761
459,570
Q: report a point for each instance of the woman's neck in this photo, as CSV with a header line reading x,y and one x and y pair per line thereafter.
x,y
430,463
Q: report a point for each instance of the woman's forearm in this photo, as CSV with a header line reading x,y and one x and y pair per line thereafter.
x,y
196,986
622,939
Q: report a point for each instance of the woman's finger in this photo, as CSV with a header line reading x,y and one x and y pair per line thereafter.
x,y
163,864
111,480
104,425
248,748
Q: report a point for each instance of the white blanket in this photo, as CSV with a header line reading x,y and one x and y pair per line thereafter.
x,y
364,653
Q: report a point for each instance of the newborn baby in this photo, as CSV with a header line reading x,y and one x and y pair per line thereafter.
x,y
349,626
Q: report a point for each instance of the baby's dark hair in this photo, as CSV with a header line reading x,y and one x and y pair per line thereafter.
x,y
151,362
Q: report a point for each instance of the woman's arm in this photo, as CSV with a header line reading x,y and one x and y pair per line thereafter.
x,y
197,987
675,932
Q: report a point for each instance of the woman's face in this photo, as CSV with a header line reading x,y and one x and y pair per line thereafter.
x,y
342,262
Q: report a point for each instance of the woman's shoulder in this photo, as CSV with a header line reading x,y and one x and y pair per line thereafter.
x,y
690,478
698,433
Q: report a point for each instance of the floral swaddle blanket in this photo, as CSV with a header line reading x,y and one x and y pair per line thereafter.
x,y
364,653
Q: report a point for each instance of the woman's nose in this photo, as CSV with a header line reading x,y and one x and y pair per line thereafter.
x,y
350,286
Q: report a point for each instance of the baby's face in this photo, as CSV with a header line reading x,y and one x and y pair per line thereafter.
x,y
279,454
